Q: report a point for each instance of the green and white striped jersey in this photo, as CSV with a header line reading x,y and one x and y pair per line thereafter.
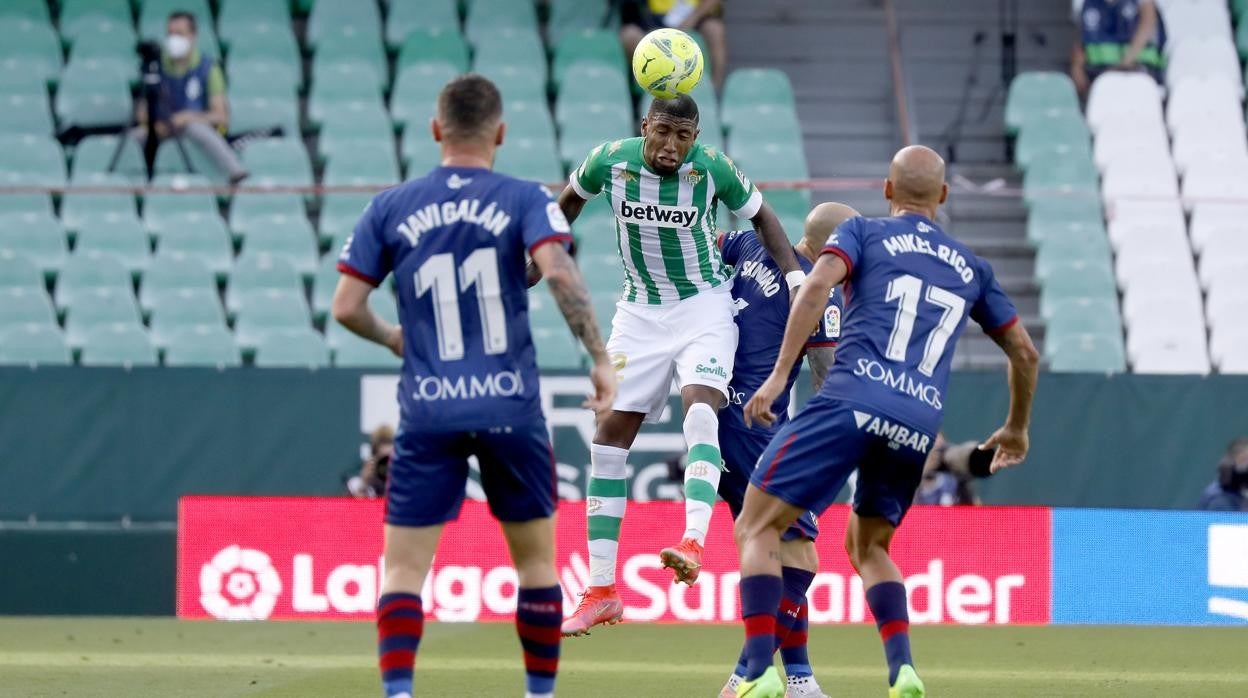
x,y
665,226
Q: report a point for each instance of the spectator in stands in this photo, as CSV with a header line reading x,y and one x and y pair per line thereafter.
x,y
1230,491
1117,35
640,17
370,482
192,97
950,471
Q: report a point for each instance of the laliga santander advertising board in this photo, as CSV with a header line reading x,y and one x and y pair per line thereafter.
x,y
279,558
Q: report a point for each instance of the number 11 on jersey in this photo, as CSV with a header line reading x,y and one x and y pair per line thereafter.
x,y
480,269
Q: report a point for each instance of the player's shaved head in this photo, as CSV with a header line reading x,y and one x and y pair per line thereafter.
x,y
823,219
469,108
916,177
681,107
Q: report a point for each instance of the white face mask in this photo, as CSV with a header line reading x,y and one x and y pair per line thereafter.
x,y
177,46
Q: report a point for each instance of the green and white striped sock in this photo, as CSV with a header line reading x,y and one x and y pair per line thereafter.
x,y
702,471
604,505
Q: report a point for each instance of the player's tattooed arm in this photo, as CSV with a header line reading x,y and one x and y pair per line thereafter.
x,y
771,234
820,360
350,308
570,292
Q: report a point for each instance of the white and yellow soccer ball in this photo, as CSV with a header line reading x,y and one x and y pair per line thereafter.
x,y
667,63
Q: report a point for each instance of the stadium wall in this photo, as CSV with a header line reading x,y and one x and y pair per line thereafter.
x,y
99,444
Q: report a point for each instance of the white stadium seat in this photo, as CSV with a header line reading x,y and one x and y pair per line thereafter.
x,y
1196,145
1214,219
1117,98
1188,20
1216,180
1130,231
1228,347
1209,56
1221,270
1147,306
1123,184
1144,149
1196,100
1134,272
1227,310
1161,211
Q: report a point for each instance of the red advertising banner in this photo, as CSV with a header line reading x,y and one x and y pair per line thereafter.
x,y
295,558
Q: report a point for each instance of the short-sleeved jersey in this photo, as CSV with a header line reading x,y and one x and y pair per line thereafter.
x,y
909,291
665,226
456,240
761,297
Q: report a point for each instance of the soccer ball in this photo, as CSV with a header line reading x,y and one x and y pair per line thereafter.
x,y
667,63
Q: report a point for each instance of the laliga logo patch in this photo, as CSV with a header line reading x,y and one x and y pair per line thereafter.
x,y
239,584
832,322
558,222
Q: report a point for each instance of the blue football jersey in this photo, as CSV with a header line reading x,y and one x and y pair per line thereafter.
x,y
761,297
456,240
909,291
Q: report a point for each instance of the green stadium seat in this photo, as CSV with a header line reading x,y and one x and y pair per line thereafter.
x,y
203,169
1051,174
568,16
603,272
407,16
289,238
1081,234
256,113
771,161
87,109
530,159
237,17
425,46
34,345
703,93
323,285
594,46
793,203
97,307
529,120
163,210
82,18
36,235
19,270
416,91
177,309
34,40
1055,258
154,18
31,10
357,352
544,311
1086,272
330,18
266,43
25,115
595,232
1055,293
79,209
509,45
358,120
278,162
339,214
595,82
174,271
253,273
202,237
303,348
1086,353
120,235
337,49
93,154
249,210
1035,92
604,301
326,107
578,139
23,205
20,77
118,345
762,123
556,349
86,272
29,160
348,145
25,306
374,166
516,83
487,16
262,78
202,346
421,153
269,310
106,40
1066,209
758,86
1060,132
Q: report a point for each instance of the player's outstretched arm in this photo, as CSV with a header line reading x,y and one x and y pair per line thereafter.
x,y
1011,440
570,292
771,234
350,308
807,308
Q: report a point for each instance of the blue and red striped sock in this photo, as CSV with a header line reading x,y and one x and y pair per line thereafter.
x,y
888,604
760,598
400,623
539,613
794,618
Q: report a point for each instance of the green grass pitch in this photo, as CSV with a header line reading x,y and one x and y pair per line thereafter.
x,y
133,657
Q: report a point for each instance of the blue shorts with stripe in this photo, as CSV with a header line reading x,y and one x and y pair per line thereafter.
x,y
741,449
429,471
812,457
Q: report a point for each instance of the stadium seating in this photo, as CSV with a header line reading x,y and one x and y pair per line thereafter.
x,y
260,272
101,306
118,345
25,305
34,344
87,272
292,348
119,235
263,311
406,16
202,345
171,272
175,310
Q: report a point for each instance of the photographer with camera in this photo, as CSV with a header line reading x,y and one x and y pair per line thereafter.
x,y
370,482
190,99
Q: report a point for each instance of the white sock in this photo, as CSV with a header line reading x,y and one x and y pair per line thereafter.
x,y
702,473
539,695
604,508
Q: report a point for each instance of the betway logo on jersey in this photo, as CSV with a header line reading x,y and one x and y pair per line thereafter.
x,y
657,214
307,558
900,435
899,381
909,242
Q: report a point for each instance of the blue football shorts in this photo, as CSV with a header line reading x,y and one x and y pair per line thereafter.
x,y
812,457
429,471
741,449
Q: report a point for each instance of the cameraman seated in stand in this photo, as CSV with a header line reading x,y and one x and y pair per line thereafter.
x,y
370,481
192,98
